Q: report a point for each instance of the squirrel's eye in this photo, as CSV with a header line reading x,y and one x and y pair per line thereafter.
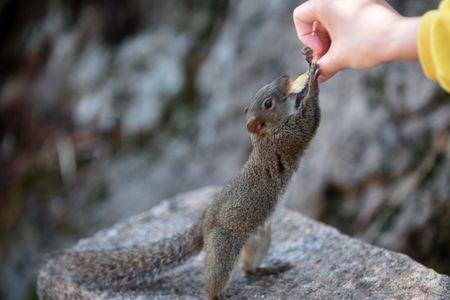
x,y
245,109
267,103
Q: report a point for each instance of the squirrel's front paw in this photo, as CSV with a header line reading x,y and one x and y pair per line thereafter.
x,y
308,53
313,72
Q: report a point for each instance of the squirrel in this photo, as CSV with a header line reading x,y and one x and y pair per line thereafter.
x,y
237,220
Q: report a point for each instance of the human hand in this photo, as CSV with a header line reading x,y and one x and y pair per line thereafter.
x,y
357,34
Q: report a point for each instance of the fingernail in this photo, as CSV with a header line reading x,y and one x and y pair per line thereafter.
x,y
321,79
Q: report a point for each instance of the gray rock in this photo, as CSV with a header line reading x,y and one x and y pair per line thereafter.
x,y
326,263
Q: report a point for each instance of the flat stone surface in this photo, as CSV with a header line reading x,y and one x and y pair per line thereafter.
x,y
326,263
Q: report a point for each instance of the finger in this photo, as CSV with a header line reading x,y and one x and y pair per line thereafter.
x,y
325,41
329,65
304,17
310,31
314,42
323,78
319,42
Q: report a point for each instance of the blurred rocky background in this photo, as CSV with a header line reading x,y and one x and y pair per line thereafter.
x,y
107,107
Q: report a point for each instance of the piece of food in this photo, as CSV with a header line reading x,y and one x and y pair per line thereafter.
x,y
298,84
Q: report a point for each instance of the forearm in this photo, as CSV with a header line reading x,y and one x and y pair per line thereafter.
x,y
401,40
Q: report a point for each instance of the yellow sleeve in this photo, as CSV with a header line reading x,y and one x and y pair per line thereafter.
x,y
434,44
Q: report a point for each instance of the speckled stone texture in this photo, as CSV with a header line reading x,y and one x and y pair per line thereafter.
x,y
326,263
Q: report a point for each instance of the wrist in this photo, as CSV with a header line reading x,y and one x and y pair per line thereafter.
x,y
401,40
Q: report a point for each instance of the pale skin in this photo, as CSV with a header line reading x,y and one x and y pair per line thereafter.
x,y
355,34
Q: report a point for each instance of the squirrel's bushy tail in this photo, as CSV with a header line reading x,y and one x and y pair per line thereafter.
x,y
122,268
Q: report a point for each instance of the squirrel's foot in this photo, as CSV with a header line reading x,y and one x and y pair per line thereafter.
x,y
275,268
308,53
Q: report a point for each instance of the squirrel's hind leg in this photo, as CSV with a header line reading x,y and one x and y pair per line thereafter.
x,y
255,250
222,250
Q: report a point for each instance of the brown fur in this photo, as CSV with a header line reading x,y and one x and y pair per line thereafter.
x,y
239,211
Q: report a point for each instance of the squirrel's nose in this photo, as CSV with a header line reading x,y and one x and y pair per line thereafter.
x,y
255,126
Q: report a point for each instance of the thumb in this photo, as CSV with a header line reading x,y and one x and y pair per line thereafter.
x,y
329,65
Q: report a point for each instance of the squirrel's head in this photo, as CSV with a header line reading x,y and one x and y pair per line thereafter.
x,y
269,108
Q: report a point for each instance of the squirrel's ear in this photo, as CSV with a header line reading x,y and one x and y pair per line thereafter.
x,y
281,83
